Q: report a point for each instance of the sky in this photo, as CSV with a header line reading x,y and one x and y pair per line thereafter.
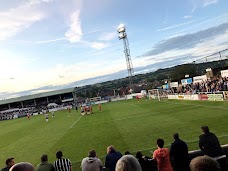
x,y
54,44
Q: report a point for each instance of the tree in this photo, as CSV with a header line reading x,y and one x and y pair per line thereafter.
x,y
180,71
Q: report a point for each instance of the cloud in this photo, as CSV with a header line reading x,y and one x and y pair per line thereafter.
x,y
201,4
175,26
35,2
209,2
187,16
114,69
197,53
8,58
188,40
99,45
69,73
17,19
51,40
108,36
74,34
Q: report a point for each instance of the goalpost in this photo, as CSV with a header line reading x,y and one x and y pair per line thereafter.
x,y
95,99
157,94
154,94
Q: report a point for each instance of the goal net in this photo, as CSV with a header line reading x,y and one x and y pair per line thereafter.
x,y
157,94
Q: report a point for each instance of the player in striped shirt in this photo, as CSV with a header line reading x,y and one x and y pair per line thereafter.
x,y
62,164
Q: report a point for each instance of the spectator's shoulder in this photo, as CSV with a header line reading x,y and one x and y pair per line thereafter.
x,y
119,153
173,144
50,164
84,159
99,160
4,169
36,166
166,149
107,156
201,136
211,133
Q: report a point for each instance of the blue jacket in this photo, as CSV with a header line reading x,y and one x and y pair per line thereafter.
x,y
111,160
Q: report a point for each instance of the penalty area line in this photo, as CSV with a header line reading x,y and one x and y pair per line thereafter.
x,y
76,121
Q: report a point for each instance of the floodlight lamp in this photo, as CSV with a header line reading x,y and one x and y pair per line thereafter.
x,y
122,35
121,28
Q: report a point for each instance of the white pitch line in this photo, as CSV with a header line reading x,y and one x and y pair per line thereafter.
x,y
75,122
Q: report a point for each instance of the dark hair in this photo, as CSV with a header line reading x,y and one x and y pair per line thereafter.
x,y
92,153
175,136
127,152
138,155
59,154
44,158
9,160
205,129
160,143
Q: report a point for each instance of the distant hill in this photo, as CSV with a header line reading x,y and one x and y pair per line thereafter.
x,y
152,79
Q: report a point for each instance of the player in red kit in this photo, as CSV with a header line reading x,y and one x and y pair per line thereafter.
x,y
99,107
137,98
69,110
28,115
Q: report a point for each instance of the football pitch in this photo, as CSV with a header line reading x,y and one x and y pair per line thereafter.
x,y
128,125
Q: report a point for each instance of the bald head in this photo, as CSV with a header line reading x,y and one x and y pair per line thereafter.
x,y
128,163
204,163
23,166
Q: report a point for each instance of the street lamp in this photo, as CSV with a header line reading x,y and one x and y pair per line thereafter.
x,y
121,29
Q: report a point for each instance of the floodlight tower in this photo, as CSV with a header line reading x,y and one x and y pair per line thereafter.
x,y
121,29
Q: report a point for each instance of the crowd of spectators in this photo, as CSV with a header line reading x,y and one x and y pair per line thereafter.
x,y
163,159
213,85
29,110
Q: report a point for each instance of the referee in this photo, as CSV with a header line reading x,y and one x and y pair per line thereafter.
x,y
62,164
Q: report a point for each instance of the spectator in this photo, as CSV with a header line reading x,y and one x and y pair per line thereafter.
x,y
44,165
111,158
210,146
204,163
92,162
9,163
62,164
23,166
127,153
128,163
161,156
179,154
146,163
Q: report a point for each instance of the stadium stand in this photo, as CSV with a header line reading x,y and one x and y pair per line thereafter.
x,y
21,106
213,85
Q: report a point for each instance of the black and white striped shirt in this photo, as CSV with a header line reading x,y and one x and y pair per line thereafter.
x,y
62,165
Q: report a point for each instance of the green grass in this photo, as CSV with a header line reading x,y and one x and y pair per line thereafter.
x,y
128,125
